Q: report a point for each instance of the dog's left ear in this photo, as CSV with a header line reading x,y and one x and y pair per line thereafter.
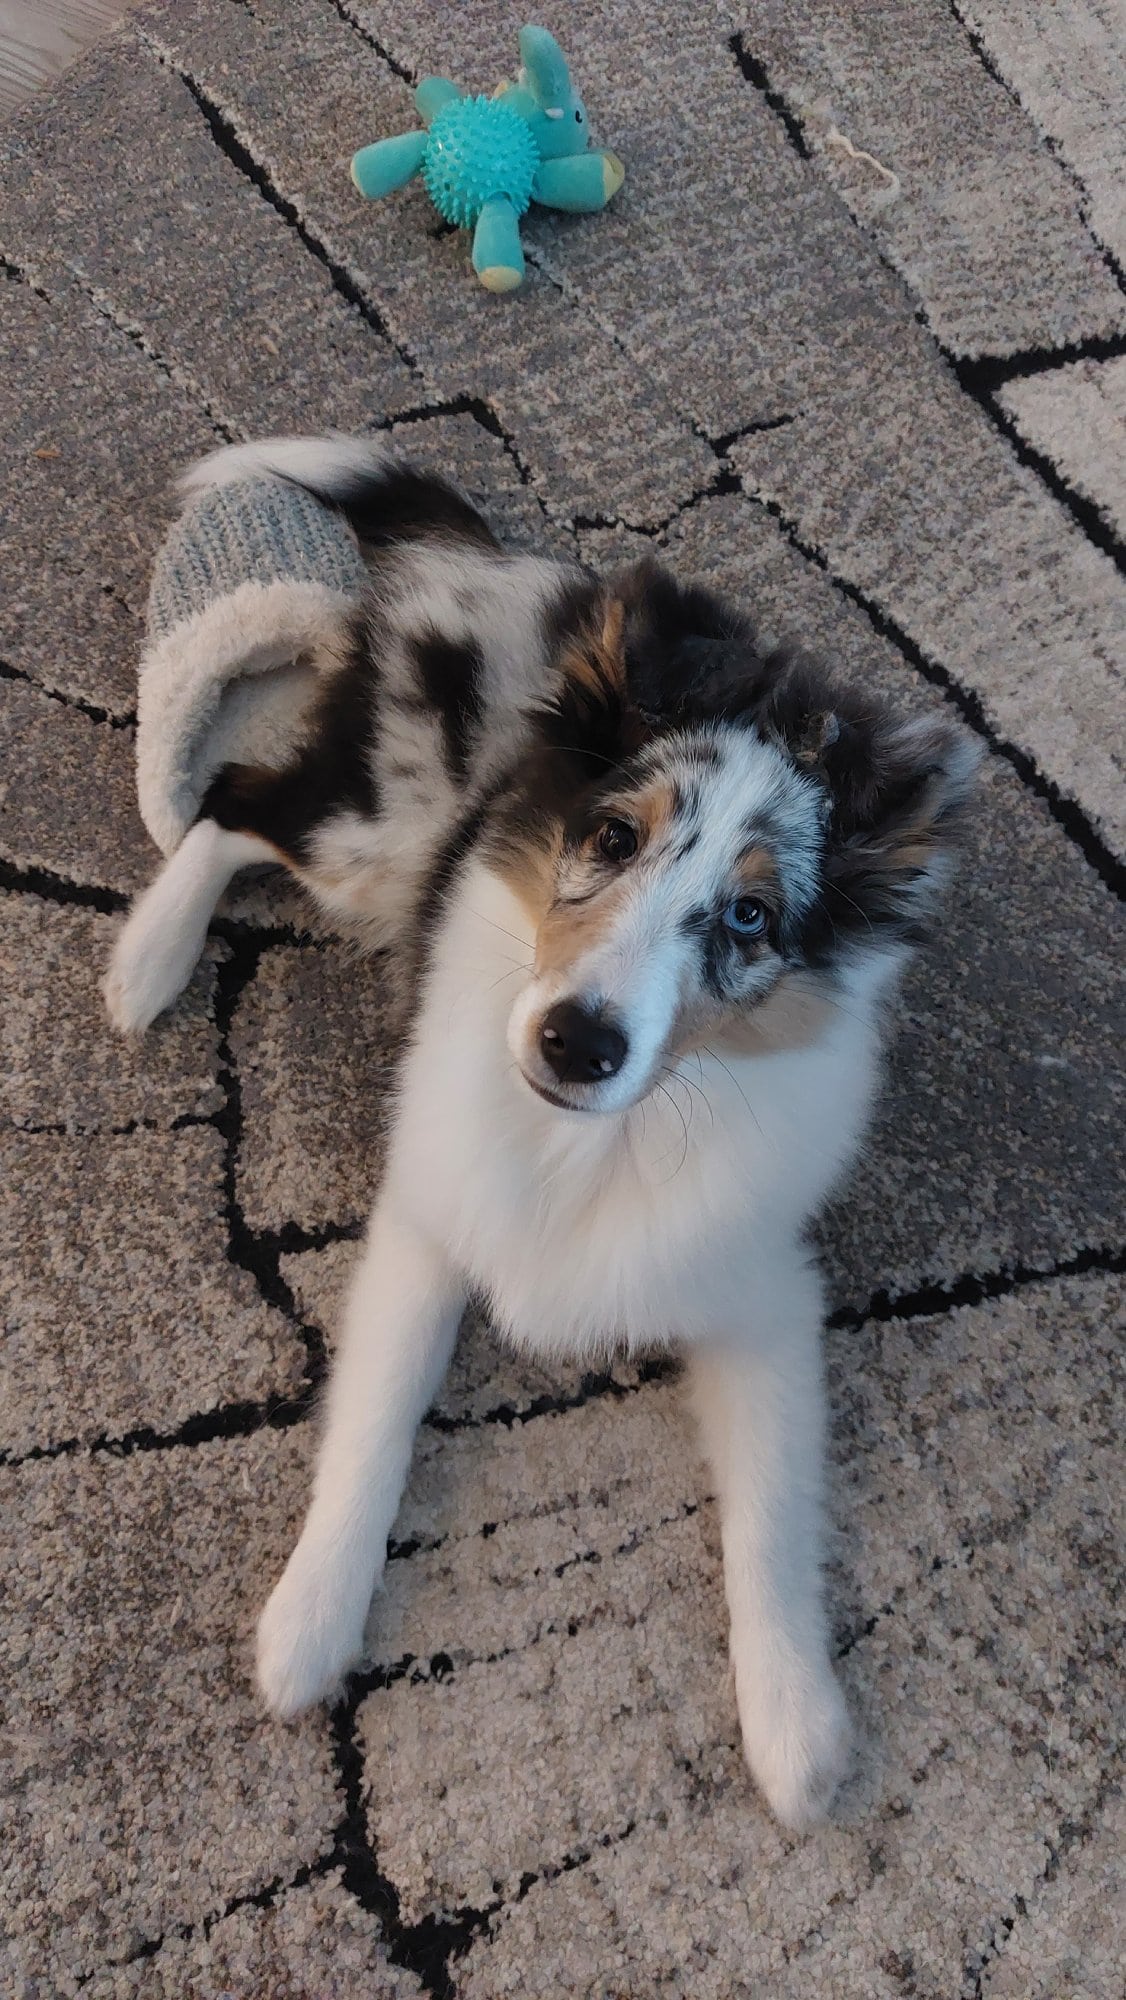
x,y
898,794
683,650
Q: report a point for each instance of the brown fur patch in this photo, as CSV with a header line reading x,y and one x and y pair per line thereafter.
x,y
594,667
595,660
571,929
528,867
757,873
613,633
906,849
655,808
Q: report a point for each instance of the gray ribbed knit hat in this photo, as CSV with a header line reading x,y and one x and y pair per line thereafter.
x,y
249,604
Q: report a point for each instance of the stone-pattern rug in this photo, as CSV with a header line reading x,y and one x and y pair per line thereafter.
x,y
851,343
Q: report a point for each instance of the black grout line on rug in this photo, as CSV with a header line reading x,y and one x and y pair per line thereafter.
x,y
1082,191
53,888
235,148
244,1248
975,380
92,712
352,20
284,1412
990,373
1090,519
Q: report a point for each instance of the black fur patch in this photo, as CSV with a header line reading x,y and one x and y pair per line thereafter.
x,y
567,613
332,771
678,638
451,677
591,723
551,792
896,811
426,919
403,504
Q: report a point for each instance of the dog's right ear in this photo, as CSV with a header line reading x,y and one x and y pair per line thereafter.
x,y
594,707
645,653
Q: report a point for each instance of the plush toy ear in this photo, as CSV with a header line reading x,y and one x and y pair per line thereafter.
x,y
545,70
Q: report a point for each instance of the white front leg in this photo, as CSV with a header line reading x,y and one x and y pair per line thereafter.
x,y
761,1406
399,1330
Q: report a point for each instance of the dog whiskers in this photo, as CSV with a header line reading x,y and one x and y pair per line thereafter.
x,y
524,943
659,1087
700,1092
730,1073
510,974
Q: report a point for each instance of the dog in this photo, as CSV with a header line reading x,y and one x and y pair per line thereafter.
x,y
637,868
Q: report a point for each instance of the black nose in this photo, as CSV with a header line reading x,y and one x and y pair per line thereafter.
x,y
581,1046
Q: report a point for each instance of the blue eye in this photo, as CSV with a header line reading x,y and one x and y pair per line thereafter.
x,y
746,918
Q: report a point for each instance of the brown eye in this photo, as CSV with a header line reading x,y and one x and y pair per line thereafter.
x,y
618,841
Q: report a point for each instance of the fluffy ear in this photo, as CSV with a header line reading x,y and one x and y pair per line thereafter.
x,y
898,794
594,710
653,653
684,651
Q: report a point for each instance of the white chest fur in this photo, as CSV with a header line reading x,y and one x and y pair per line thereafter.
x,y
587,1231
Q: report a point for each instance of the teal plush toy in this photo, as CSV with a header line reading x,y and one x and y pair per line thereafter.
x,y
485,159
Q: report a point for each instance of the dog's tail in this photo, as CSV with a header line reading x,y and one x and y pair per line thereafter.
x,y
335,468
383,497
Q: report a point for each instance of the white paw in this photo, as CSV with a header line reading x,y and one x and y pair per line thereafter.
x,y
798,1741
310,1635
142,979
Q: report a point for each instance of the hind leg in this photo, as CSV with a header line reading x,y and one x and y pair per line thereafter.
x,y
159,949
498,258
580,184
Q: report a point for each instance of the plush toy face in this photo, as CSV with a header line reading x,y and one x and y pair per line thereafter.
x,y
545,97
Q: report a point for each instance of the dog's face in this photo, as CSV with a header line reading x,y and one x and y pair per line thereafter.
x,y
676,887
707,841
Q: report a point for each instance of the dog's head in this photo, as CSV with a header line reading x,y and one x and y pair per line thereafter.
x,y
709,842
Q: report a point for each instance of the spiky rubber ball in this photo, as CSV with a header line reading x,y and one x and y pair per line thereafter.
x,y
478,150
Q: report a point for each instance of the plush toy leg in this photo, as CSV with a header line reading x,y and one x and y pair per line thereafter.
x,y
498,258
432,93
389,164
581,184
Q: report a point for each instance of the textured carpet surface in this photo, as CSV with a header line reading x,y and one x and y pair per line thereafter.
x,y
850,344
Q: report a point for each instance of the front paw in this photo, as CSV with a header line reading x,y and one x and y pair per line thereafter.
x,y
310,1635
797,1739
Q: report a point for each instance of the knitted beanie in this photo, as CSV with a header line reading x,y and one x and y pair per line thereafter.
x,y
248,609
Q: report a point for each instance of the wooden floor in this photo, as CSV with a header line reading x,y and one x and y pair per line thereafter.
x,y
39,38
